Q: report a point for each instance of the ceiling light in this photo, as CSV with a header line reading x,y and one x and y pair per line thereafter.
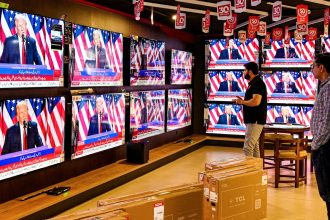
x,y
174,17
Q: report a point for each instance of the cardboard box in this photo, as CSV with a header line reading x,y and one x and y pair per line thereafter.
x,y
95,213
239,196
234,162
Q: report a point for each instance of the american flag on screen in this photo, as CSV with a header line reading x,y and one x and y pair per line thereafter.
x,y
271,80
156,110
136,53
137,104
80,44
309,83
214,113
181,62
295,76
180,106
275,45
55,121
250,47
84,113
48,113
306,115
216,46
116,54
238,111
327,44
117,112
156,54
215,78
270,114
307,50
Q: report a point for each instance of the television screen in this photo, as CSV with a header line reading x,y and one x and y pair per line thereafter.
x,y
292,54
147,61
98,57
326,42
225,85
31,50
178,108
181,65
225,119
290,87
97,123
147,114
231,54
31,134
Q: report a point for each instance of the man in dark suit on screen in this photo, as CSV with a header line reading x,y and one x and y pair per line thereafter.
x,y
285,116
229,85
24,134
20,48
96,56
286,85
230,53
286,52
228,118
99,121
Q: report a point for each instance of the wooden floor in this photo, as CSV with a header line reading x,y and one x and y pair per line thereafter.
x,y
285,202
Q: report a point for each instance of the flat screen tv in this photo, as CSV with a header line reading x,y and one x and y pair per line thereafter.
x,y
98,123
294,54
98,57
31,49
31,134
230,54
181,67
296,87
225,85
225,119
147,61
147,113
179,108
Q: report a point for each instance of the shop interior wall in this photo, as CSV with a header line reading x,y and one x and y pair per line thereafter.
x,y
94,17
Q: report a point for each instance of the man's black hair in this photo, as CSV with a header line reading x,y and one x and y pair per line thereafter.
x,y
253,67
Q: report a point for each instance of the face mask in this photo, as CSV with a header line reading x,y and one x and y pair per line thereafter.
x,y
247,76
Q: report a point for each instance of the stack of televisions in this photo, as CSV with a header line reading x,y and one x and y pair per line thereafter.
x,y
98,120
291,104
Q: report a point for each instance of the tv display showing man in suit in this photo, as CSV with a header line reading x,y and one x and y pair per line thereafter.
x,y
99,122
230,53
20,48
286,85
286,52
228,118
229,85
24,134
95,55
285,116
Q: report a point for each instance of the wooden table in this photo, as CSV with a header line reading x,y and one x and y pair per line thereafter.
x,y
282,128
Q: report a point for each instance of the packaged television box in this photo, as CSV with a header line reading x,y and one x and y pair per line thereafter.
x,y
95,213
174,201
235,161
241,195
206,176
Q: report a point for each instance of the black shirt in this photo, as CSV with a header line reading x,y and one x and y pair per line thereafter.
x,y
258,113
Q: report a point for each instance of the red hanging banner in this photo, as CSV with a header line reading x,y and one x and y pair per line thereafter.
x,y
232,22
227,31
180,21
240,6
207,18
302,29
205,28
251,34
277,34
326,16
302,14
137,10
262,28
224,10
312,34
253,23
277,11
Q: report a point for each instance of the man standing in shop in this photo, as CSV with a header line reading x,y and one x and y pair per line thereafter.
x,y
254,109
320,127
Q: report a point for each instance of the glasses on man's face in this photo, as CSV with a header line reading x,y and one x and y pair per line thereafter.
x,y
314,65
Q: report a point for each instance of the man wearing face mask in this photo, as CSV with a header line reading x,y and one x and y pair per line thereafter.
x,y
254,109
99,121
20,48
24,134
96,56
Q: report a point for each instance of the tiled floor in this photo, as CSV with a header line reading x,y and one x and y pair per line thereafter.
x,y
286,202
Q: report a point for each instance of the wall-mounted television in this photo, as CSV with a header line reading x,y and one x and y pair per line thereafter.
x,y
296,87
230,54
147,61
98,57
292,54
31,50
225,119
147,113
179,108
225,85
31,134
98,123
181,67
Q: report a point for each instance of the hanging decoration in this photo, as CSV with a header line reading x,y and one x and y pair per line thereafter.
x,y
242,36
262,28
232,22
277,11
312,34
227,31
205,28
277,34
180,21
253,23
240,6
267,38
224,10
252,34
297,37
302,29
255,2
302,14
